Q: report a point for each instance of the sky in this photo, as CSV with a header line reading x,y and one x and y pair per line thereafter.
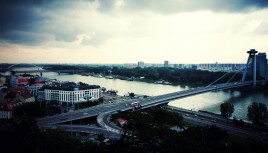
x,y
128,31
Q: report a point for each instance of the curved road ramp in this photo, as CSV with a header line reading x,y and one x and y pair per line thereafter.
x,y
103,121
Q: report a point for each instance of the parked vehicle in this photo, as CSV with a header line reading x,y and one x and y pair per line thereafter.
x,y
135,104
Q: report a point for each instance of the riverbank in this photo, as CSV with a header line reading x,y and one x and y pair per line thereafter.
x,y
192,85
175,76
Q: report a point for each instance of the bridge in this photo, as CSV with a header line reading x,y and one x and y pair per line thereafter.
x,y
22,64
145,103
104,111
40,69
56,71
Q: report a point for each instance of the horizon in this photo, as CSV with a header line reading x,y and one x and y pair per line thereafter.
x,y
128,31
121,63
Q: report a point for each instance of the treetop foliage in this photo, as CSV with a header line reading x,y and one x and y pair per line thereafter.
x,y
227,109
257,113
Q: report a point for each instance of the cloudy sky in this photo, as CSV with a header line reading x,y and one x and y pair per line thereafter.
x,y
128,31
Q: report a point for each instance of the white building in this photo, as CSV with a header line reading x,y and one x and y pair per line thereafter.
x,y
223,67
141,64
33,89
7,73
166,64
69,94
6,114
35,84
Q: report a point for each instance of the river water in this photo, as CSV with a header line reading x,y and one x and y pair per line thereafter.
x,y
209,101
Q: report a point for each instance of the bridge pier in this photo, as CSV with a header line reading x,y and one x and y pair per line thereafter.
x,y
252,62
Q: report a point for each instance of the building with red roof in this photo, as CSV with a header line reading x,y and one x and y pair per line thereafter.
x,y
121,121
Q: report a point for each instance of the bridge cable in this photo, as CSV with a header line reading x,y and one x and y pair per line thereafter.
x,y
224,76
218,79
234,75
241,70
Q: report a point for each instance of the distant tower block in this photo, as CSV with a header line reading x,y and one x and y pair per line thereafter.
x,y
166,64
251,59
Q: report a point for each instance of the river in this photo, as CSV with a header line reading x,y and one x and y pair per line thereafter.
x,y
209,101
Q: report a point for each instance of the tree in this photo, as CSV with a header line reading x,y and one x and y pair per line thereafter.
x,y
100,137
131,95
13,72
227,109
257,113
103,89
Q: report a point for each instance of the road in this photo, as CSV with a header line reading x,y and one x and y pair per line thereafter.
x,y
202,119
103,121
85,129
197,118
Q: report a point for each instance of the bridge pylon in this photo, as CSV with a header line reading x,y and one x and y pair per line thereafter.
x,y
252,60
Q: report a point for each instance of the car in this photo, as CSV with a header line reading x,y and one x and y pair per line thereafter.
x,y
135,104
106,140
3,87
85,113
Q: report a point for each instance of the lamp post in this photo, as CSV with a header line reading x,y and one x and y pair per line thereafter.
x,y
202,135
71,124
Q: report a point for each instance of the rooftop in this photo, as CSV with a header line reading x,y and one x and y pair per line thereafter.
x,y
69,86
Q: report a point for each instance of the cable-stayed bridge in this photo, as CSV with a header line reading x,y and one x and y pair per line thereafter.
x,y
104,111
145,103
157,100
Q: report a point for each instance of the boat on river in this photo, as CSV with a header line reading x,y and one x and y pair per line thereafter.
x,y
163,82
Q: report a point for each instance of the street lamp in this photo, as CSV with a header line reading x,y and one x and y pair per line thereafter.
x,y
71,124
202,135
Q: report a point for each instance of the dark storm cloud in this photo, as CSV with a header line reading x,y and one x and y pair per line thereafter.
x,y
173,6
24,21
18,18
28,22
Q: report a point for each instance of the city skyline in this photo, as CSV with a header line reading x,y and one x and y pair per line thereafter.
x,y
128,31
